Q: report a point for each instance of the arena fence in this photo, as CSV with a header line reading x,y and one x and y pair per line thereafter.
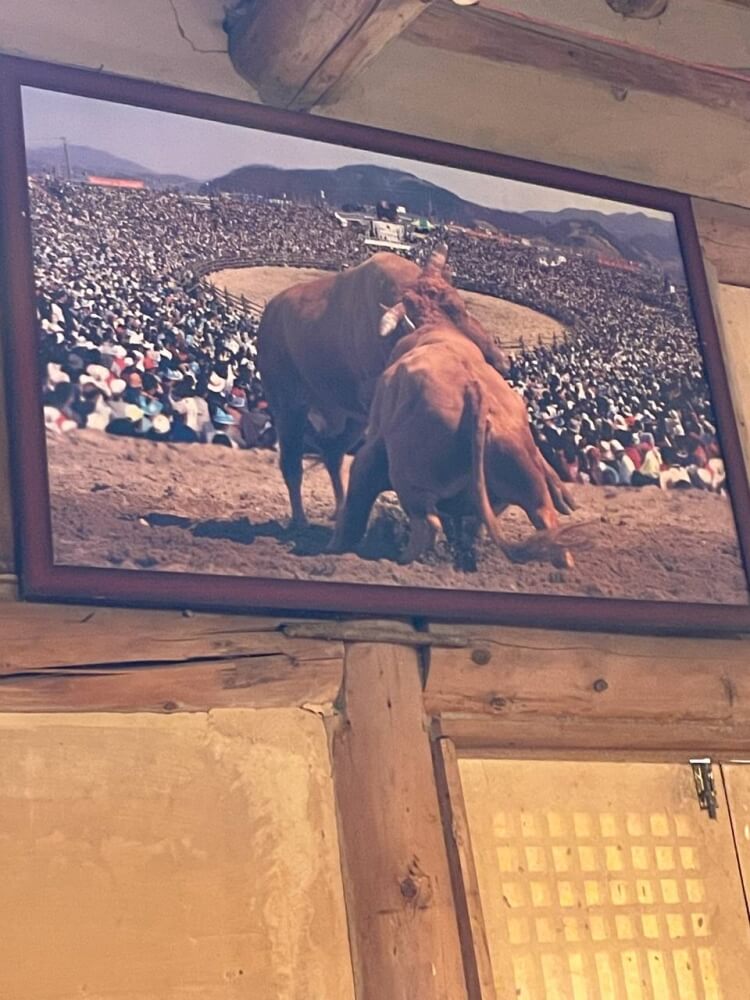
x,y
202,274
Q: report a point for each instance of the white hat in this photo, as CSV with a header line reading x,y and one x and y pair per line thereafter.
x,y
117,386
161,424
55,374
216,383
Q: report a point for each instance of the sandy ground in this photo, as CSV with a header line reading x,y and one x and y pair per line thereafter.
x,y
506,321
142,505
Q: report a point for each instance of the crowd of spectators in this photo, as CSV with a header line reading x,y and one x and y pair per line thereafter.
x,y
133,343
621,397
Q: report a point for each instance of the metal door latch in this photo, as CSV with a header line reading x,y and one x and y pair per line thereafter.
x,y
703,776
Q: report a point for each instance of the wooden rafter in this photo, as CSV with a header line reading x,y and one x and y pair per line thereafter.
x,y
297,52
505,36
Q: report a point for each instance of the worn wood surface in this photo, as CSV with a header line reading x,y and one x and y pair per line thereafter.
x,y
724,232
402,923
562,691
149,857
39,636
508,36
58,658
267,680
480,981
296,51
389,630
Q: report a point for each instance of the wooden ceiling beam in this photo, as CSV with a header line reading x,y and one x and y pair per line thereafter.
x,y
510,37
298,53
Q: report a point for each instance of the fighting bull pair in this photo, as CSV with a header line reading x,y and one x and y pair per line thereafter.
x,y
389,350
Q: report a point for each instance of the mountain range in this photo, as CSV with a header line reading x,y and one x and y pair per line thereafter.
x,y
628,235
85,160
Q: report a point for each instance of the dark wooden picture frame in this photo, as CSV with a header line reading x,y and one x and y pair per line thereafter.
x,y
41,578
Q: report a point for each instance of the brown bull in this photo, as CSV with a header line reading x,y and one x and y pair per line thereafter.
x,y
321,350
447,433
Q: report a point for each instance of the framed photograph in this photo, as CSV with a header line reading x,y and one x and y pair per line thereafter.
x,y
262,360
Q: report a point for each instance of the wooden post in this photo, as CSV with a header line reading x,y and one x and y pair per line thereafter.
x,y
402,922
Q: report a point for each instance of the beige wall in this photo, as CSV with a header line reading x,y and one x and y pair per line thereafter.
x,y
147,857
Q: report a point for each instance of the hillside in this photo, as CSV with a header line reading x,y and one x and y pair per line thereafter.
x,y
652,240
87,160
629,235
367,184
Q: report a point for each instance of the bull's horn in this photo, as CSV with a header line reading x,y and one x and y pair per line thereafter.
x,y
438,258
391,319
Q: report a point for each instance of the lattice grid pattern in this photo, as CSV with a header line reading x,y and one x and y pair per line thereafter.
x,y
582,904
562,878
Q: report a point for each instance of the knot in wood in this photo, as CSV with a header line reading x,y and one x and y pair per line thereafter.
x,y
481,656
416,887
600,685
498,703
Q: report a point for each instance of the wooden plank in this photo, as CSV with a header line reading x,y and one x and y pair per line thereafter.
x,y
736,779
298,53
586,739
511,37
170,857
39,636
605,880
724,232
402,923
265,681
476,956
527,688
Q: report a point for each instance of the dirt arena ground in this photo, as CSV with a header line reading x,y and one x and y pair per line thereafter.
x,y
505,320
141,505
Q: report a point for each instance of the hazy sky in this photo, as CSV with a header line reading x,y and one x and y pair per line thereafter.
x,y
175,144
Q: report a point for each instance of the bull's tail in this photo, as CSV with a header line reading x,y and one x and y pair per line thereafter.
x,y
477,407
562,498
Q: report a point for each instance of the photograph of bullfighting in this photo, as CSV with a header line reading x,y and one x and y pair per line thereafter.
x,y
276,358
